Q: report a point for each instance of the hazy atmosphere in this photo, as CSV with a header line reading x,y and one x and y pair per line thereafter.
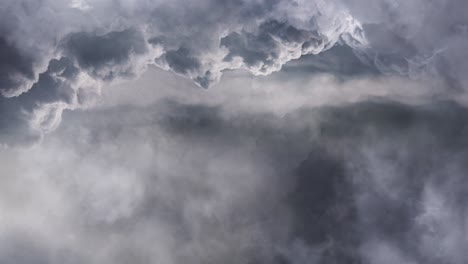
x,y
233,132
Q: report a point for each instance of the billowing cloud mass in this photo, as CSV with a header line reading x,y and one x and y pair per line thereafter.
x,y
371,182
333,131
113,40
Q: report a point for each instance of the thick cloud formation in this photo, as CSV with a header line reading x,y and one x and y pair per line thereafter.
x,y
111,40
340,155
108,56
14,67
416,38
374,182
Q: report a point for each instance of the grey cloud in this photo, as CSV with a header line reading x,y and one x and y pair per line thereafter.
x,y
416,39
400,153
339,61
222,181
19,247
15,67
15,129
87,60
367,177
352,184
52,86
52,89
181,61
263,49
202,41
109,41
106,56
244,37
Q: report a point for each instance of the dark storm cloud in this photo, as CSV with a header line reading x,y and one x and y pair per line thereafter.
x,y
259,36
200,40
366,177
53,88
229,182
416,38
339,61
181,61
263,50
14,67
370,182
369,175
19,247
109,40
106,56
63,85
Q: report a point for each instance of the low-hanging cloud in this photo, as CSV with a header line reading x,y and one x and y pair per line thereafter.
x,y
371,182
356,164
113,40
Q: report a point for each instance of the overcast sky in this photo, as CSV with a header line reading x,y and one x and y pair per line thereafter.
x,y
237,132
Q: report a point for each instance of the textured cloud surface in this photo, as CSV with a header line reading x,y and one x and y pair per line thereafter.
x,y
334,131
374,182
108,40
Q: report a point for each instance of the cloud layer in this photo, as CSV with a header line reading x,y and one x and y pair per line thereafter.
x,y
375,182
348,145
113,40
